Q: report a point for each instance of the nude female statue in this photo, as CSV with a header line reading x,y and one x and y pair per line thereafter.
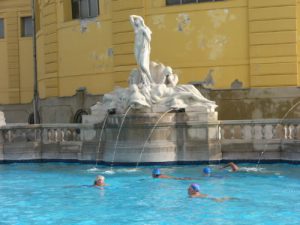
x,y
142,47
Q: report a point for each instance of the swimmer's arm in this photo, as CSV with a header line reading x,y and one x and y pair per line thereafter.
x,y
99,186
166,177
223,167
185,178
200,196
233,166
223,199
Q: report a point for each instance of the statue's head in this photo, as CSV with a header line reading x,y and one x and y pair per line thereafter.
x,y
168,71
139,21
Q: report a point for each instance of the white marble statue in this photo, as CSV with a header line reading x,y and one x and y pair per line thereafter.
x,y
152,86
142,47
2,119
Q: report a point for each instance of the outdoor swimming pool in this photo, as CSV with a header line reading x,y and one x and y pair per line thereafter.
x,y
58,193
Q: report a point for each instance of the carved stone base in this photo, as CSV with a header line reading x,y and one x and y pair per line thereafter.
x,y
149,137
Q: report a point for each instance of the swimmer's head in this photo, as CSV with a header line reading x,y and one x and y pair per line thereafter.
x,y
99,177
156,172
194,187
207,170
99,180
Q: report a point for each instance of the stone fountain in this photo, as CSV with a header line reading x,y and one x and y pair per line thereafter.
x,y
188,123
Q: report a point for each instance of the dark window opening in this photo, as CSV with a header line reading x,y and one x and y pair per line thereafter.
x,y
78,115
31,118
1,28
85,9
26,26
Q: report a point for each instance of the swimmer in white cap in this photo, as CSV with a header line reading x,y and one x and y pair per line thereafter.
x,y
99,181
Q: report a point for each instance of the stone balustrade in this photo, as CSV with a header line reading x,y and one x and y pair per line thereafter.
x,y
260,139
45,133
259,130
238,140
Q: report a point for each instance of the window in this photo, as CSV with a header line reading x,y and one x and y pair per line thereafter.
x,y
26,26
179,2
1,28
85,9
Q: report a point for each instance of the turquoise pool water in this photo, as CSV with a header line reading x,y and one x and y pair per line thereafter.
x,y
58,193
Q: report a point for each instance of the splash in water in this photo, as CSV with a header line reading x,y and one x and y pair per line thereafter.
x,y
94,169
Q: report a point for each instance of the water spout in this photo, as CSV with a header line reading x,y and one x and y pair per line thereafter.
x,y
137,164
116,143
100,137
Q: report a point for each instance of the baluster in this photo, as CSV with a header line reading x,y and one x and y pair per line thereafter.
x,y
74,134
236,132
55,135
268,131
247,132
279,131
63,135
252,131
223,132
273,131
263,131
258,132
285,129
231,131
297,134
49,134
242,131
59,134
291,131
2,138
227,132
9,136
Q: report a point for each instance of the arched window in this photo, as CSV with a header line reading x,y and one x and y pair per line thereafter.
x,y
78,115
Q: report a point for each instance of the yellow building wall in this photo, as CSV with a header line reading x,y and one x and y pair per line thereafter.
x,y
4,72
251,42
47,46
76,53
26,70
201,39
273,43
298,42
16,54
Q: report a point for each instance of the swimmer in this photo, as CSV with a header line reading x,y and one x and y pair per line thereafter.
x,y
194,192
157,174
233,166
206,171
99,181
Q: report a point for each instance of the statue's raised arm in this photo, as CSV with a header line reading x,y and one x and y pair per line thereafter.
x,y
142,47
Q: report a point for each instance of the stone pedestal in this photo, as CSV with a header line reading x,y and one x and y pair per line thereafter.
x,y
155,137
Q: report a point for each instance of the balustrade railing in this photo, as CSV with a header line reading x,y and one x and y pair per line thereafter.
x,y
235,130
259,130
46,133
